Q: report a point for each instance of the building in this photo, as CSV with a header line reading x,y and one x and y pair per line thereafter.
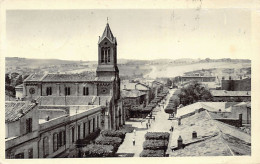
x,y
199,134
128,86
236,85
223,95
34,131
106,83
228,112
131,99
186,79
19,91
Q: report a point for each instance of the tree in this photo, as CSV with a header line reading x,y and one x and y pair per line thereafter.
x,y
193,93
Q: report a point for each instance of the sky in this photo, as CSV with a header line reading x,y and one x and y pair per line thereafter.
x,y
141,33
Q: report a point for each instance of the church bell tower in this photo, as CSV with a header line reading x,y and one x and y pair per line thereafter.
x,y
107,55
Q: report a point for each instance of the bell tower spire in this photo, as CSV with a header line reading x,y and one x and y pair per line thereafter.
x,y
107,54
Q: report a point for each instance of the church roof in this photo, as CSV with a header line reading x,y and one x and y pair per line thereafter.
x,y
108,34
68,78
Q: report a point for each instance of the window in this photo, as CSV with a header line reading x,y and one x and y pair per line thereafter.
x,y
85,91
72,134
48,91
97,121
30,153
64,137
19,156
93,124
67,91
78,132
45,146
55,145
28,125
89,126
84,130
59,139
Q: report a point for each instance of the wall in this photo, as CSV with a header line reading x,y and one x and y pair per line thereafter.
x,y
246,113
19,93
236,85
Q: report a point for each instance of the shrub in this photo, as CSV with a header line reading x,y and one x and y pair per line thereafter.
x,y
112,133
155,144
157,136
115,141
152,153
94,150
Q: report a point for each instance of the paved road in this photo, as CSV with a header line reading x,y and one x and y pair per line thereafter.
x,y
161,124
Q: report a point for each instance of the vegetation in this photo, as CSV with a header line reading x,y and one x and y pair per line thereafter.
x,y
157,136
152,153
113,133
155,144
94,150
193,93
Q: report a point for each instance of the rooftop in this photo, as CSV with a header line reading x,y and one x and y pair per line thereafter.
x,y
210,106
14,110
86,77
132,93
230,93
213,138
74,100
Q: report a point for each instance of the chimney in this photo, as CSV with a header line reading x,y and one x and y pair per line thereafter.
x,y
229,77
240,118
194,134
179,121
47,118
180,142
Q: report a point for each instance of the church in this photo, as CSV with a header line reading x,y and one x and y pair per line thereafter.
x,y
81,89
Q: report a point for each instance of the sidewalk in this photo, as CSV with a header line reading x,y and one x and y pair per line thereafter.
x,y
161,124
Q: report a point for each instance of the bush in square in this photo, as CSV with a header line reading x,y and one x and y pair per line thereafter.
x,y
157,136
155,144
94,150
152,153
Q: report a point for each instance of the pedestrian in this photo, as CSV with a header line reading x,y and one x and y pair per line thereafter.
x,y
153,118
141,122
133,141
134,131
149,125
146,125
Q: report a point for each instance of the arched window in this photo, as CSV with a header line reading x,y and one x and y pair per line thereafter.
x,y
108,55
105,52
45,146
102,55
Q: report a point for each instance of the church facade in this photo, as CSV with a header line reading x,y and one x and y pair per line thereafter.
x,y
83,89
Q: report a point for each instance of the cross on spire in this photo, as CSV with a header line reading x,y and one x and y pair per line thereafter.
x,y
107,20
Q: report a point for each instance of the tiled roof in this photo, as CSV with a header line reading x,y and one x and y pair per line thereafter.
x,y
34,77
230,93
68,77
132,86
65,100
14,110
211,140
132,93
210,106
73,100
